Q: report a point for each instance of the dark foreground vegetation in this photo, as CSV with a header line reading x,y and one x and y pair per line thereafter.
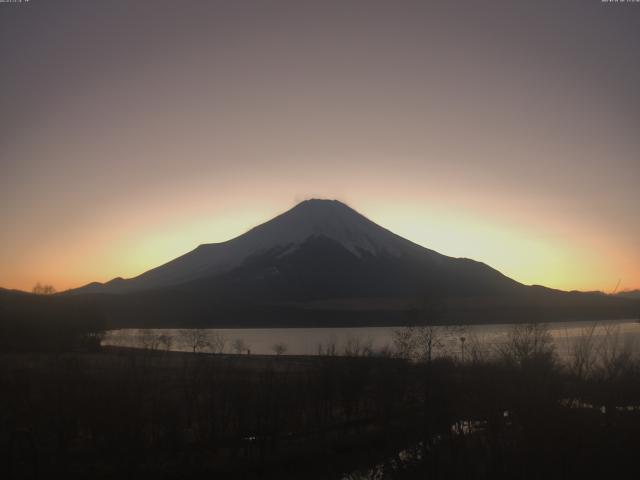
x,y
47,323
517,413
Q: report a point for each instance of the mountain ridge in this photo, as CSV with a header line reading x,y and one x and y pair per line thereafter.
x,y
329,218
321,263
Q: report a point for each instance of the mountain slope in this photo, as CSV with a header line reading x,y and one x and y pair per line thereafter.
x,y
632,294
322,268
323,264
304,242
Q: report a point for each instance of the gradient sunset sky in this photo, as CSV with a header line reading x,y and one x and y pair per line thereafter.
x,y
504,131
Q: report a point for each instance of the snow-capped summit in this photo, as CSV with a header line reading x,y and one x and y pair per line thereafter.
x,y
329,218
313,218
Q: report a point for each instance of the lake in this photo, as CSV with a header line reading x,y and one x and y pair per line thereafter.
x,y
310,341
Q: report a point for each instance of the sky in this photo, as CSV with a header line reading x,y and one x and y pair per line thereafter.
x,y
505,131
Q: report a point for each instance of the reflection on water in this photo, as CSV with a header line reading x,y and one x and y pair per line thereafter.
x,y
621,334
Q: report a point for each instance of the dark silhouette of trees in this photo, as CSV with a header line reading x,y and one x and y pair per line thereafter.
x,y
518,413
195,339
49,323
217,342
279,348
239,346
40,289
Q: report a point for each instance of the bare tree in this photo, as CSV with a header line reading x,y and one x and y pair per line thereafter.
x,y
582,353
329,347
217,342
195,338
404,342
279,348
356,347
429,339
40,289
476,351
149,339
240,346
166,341
421,341
418,343
614,356
527,343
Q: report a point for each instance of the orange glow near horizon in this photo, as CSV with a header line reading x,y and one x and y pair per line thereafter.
x,y
131,135
130,245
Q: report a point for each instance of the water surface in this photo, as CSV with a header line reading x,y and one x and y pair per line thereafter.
x,y
311,341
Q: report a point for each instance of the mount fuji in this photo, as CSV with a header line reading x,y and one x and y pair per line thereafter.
x,y
322,263
317,239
